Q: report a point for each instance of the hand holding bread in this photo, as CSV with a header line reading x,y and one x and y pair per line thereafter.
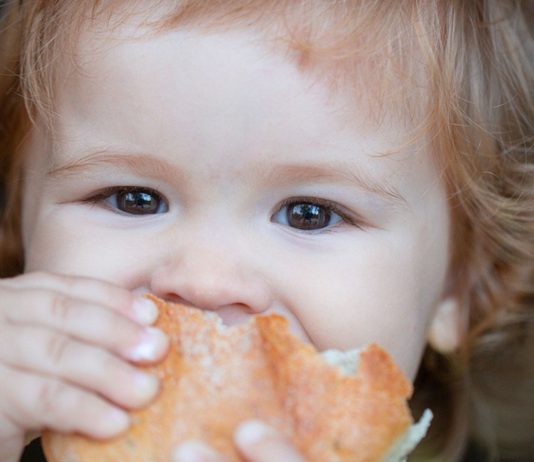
x,y
332,407
68,349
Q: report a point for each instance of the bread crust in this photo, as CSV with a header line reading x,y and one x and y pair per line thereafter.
x,y
214,377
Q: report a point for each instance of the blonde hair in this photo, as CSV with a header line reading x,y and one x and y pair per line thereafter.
x,y
477,113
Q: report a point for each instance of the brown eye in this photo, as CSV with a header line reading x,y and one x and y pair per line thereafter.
x,y
310,214
307,216
140,202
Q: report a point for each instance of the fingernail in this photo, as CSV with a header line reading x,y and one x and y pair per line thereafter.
x,y
116,421
144,311
146,386
152,344
252,432
192,451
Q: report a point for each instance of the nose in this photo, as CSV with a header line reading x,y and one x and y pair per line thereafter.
x,y
212,280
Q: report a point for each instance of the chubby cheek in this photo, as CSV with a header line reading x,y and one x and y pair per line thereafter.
x,y
57,246
379,295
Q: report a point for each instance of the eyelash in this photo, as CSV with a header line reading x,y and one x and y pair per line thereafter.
x,y
100,197
332,207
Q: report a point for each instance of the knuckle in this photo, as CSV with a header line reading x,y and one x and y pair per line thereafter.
x,y
57,347
69,283
61,306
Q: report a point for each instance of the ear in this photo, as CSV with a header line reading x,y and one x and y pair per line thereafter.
x,y
445,328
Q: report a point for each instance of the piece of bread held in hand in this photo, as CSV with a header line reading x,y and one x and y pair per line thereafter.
x,y
334,406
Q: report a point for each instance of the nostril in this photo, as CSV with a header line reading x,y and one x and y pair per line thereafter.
x,y
234,314
230,315
174,298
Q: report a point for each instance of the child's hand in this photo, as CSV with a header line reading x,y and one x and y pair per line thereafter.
x,y
256,441
66,345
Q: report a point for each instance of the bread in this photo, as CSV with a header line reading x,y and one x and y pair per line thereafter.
x,y
215,376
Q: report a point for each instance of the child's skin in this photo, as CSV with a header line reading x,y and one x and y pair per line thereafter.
x,y
217,132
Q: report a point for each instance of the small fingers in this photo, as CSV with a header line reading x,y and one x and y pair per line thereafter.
x,y
87,321
196,451
37,402
259,442
94,291
54,355
256,441
90,289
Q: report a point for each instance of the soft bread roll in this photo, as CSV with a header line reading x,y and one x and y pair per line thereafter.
x,y
214,377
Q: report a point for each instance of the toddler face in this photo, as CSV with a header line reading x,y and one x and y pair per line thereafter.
x,y
206,169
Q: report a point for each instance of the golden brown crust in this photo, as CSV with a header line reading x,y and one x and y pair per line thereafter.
x,y
215,377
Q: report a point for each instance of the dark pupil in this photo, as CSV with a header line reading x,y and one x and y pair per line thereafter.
x,y
138,202
307,216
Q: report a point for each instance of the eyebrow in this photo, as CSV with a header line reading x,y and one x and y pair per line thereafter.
x,y
280,175
325,173
137,163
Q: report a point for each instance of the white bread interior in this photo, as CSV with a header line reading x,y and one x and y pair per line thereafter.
x,y
347,362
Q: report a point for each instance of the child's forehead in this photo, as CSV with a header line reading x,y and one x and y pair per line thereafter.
x,y
211,74
157,61
333,43
154,65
